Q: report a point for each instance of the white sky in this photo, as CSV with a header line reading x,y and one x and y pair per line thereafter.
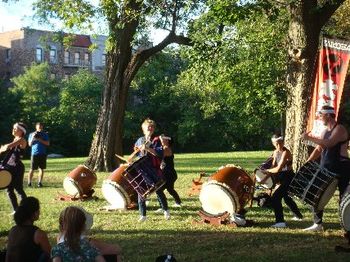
x,y
17,14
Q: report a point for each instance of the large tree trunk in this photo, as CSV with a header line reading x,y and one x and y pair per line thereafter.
x,y
122,68
305,26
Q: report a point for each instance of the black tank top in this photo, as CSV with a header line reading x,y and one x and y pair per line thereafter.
x,y
330,157
21,246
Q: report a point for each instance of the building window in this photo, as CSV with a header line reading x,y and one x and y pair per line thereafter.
x,y
104,59
53,56
86,59
66,57
8,55
76,58
39,54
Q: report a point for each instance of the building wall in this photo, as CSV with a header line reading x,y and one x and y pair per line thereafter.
x,y
24,42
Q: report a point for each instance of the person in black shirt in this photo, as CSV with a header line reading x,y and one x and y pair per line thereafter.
x,y
332,148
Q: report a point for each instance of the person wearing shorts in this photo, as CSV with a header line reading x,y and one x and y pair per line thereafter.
x,y
39,141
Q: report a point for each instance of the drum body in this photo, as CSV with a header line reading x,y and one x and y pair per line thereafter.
x,y
79,181
5,177
260,175
344,212
117,190
229,189
314,185
143,177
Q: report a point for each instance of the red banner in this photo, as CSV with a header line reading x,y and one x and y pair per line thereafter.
x,y
333,61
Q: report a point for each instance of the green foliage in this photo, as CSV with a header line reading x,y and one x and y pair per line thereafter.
x,y
38,93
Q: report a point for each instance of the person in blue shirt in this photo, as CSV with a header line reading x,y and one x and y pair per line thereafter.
x,y
39,141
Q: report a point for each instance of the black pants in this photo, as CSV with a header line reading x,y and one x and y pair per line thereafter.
x,y
285,178
343,182
16,184
169,186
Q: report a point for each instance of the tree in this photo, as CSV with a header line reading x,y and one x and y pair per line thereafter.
x,y
307,18
37,92
126,19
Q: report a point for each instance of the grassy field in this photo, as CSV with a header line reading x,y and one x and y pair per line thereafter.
x,y
186,240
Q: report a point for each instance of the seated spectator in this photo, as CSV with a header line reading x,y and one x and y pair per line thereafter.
x,y
74,245
27,242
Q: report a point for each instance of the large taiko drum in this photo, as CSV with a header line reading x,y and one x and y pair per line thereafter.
x,y
79,181
260,174
117,190
344,212
5,177
229,189
314,185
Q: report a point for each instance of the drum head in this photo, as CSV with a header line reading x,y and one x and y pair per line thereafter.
x,y
259,175
216,199
71,187
115,194
344,212
327,195
5,178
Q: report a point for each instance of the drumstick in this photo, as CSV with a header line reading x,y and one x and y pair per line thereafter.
x,y
122,158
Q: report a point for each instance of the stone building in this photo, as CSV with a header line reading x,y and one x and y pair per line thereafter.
x,y
26,46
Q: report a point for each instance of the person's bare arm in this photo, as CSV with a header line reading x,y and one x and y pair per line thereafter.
x,y
339,134
21,142
41,239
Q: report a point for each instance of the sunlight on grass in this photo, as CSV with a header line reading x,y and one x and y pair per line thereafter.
x,y
188,241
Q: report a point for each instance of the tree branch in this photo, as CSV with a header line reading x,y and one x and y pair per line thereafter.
x,y
328,9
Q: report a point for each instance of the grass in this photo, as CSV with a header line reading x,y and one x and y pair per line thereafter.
x,y
180,236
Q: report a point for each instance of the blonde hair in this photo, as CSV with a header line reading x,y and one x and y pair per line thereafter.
x,y
148,121
72,224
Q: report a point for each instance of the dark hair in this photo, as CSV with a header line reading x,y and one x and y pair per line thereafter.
x,y
72,224
26,210
39,123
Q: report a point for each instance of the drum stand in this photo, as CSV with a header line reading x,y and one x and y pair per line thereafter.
x,y
196,185
216,220
74,198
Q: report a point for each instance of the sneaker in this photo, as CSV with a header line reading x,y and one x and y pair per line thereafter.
x,y
279,225
159,210
314,228
177,205
167,215
12,213
40,184
297,218
142,219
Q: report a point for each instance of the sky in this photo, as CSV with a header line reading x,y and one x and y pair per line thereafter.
x,y
18,14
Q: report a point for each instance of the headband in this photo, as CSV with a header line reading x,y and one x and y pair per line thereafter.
x,y
165,137
326,111
277,139
20,128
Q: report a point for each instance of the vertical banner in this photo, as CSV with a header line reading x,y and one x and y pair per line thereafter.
x,y
333,61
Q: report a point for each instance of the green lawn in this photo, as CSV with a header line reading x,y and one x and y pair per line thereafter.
x,y
180,236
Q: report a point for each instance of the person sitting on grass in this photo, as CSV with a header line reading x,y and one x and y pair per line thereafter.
x,y
27,242
73,245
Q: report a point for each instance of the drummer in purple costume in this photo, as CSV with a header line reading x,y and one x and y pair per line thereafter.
x,y
150,146
282,170
332,148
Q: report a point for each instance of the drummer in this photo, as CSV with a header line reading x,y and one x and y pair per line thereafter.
x,y
281,171
150,146
332,149
12,161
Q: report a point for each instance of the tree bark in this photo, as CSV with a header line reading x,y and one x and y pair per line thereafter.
x,y
306,22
